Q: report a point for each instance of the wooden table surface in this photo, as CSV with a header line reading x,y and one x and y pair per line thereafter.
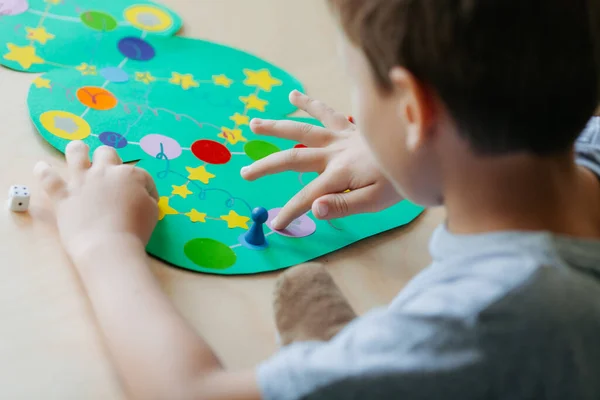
x,y
49,344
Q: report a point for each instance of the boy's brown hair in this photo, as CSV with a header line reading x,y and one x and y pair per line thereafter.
x,y
516,75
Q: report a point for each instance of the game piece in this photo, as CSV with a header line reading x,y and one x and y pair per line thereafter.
x,y
256,235
18,198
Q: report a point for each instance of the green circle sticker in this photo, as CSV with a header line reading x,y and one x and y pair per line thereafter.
x,y
209,253
99,21
258,149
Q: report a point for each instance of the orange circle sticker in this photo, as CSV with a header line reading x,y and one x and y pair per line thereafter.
x,y
97,98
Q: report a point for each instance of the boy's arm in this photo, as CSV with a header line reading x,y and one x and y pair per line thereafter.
x,y
157,353
105,214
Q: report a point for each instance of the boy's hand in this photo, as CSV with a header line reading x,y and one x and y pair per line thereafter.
x,y
106,201
337,152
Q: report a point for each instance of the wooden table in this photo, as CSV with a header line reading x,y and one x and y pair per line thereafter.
x,y
49,345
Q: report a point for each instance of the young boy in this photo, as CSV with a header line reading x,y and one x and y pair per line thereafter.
x,y
473,104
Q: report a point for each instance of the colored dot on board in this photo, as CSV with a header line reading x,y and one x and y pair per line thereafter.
x,y
99,21
299,228
136,49
257,149
65,125
113,139
148,18
154,143
300,146
209,253
96,98
211,152
13,7
114,75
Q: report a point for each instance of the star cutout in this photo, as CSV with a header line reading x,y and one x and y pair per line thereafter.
x,y
196,216
234,220
182,191
186,81
145,77
25,56
86,69
40,82
165,209
240,119
233,136
39,34
199,174
252,102
222,80
261,79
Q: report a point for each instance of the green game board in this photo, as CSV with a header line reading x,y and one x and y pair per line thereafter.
x,y
41,35
182,107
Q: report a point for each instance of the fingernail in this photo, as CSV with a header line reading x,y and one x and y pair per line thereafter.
x,y
295,92
322,210
256,121
275,223
244,170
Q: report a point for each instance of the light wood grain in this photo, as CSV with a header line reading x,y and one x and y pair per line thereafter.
x,y
49,344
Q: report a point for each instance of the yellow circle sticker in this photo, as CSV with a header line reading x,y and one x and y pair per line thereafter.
x,y
148,18
65,125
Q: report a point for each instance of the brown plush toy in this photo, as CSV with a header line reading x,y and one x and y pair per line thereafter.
x,y
309,305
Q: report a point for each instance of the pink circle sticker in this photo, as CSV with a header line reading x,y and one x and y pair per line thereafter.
x,y
301,227
13,7
160,146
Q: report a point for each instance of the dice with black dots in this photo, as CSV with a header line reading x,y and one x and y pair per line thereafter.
x,y
18,198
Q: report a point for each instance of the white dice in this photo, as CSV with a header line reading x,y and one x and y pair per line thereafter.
x,y
18,198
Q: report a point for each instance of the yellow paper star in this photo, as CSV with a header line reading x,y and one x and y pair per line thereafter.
x,y
240,119
199,174
233,136
40,82
25,56
222,80
234,220
145,77
252,102
196,216
39,34
165,209
261,79
86,69
182,191
186,81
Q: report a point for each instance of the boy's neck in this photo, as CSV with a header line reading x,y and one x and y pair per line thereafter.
x,y
522,192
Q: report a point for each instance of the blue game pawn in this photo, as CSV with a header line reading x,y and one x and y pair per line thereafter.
x,y
256,235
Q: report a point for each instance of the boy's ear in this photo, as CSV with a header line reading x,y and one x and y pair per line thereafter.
x,y
415,106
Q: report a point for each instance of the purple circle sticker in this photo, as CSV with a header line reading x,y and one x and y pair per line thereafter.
x,y
113,139
136,49
13,7
160,146
301,227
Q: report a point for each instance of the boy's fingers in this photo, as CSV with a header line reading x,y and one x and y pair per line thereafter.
x,y
319,110
340,205
307,134
52,183
148,183
302,202
106,156
77,155
299,160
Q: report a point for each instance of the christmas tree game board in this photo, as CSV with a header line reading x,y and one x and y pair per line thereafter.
x,y
181,107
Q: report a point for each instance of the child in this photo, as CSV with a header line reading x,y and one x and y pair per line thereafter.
x,y
473,104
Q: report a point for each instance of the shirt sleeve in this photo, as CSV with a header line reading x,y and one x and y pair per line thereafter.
x,y
587,148
384,354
